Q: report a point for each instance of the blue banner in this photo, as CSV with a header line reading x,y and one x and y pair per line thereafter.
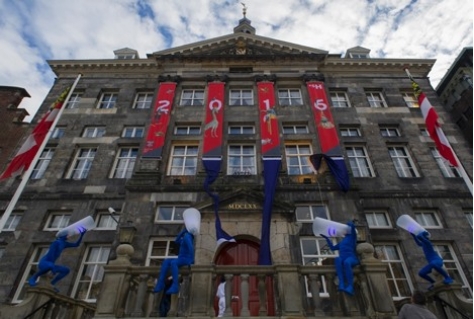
x,y
336,165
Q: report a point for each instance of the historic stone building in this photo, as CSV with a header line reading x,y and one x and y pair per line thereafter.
x,y
107,153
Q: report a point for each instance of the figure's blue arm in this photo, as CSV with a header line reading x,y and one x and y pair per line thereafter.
x,y
353,233
424,241
78,242
178,239
329,242
417,241
188,243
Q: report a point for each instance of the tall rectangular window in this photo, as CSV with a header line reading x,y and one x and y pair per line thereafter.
x,y
241,97
93,132
410,100
143,100
91,274
446,169
183,160
290,97
160,249
58,132
31,268
241,160
339,99
105,221
74,100
133,132
57,221
107,101
378,219
170,214
297,159
125,162
12,222
402,162
428,219
192,98
82,163
375,99
310,212
359,161
42,163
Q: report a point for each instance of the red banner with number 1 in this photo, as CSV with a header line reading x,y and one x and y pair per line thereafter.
x,y
268,120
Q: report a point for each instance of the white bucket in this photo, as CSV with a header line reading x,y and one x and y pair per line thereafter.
x,y
75,229
192,220
409,224
329,228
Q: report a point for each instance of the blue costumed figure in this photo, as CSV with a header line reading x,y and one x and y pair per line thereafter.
x,y
47,262
185,241
434,260
347,259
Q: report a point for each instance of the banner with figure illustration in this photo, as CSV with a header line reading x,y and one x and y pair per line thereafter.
x,y
269,129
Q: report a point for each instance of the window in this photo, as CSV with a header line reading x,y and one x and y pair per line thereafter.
x,y
31,268
105,221
359,55
378,219
187,130
241,160
290,97
350,131
183,160
444,165
428,219
133,132
468,215
143,100
397,274
43,163
424,132
12,222
241,130
82,163
107,101
453,267
125,162
339,99
170,214
74,101
309,213
58,132
241,97
125,56
93,132
159,250
402,162
295,129
359,161
297,159
57,221
375,99
410,100
389,132
87,286
192,97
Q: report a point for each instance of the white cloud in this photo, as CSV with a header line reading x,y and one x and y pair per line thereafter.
x,y
35,31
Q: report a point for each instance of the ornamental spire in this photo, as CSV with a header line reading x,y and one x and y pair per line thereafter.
x,y
244,9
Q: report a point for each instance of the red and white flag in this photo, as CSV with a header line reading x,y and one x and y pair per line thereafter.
x,y
30,147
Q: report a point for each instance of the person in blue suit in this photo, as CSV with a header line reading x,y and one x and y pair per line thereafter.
x,y
347,259
47,262
434,260
185,241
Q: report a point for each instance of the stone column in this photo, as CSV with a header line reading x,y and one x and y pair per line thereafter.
x,y
201,291
290,290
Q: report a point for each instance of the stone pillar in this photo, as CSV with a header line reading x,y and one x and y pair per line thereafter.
x,y
228,295
201,291
244,291
289,287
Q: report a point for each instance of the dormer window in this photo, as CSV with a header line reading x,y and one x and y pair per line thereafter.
x,y
359,55
125,56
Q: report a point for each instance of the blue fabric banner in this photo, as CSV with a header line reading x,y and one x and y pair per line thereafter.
x,y
336,165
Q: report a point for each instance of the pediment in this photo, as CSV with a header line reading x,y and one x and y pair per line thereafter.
x,y
238,44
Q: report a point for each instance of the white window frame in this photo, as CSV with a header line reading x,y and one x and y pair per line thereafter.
x,y
43,163
402,161
387,131
374,217
192,97
295,129
447,170
426,217
396,295
339,99
307,213
293,97
241,97
360,164
93,267
410,100
64,219
124,162
82,163
303,151
468,215
241,159
350,132
375,99
175,214
108,100
93,131
106,221
187,130
12,221
74,100
58,132
359,55
241,129
143,100
135,132
179,164
152,260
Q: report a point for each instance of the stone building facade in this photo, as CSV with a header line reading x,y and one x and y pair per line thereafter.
x,y
98,164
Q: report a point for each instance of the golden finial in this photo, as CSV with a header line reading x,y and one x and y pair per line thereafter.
x,y
244,9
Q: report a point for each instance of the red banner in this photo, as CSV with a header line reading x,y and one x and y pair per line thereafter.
x,y
213,129
327,132
268,120
155,138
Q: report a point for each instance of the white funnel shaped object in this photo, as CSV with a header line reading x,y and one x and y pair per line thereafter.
x,y
192,220
329,228
75,229
410,225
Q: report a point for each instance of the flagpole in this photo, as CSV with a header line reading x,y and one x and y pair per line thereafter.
x,y
30,169
460,166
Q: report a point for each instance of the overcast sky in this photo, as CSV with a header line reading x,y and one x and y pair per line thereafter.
x,y
33,31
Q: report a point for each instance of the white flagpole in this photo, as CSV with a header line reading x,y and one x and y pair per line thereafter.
x,y
460,167
29,171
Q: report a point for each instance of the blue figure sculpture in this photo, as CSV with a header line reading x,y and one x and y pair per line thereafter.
x,y
347,259
434,260
185,241
47,262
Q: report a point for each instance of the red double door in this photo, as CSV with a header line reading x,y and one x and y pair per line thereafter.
x,y
245,252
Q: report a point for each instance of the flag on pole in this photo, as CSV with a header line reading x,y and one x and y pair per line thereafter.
x,y
432,124
30,147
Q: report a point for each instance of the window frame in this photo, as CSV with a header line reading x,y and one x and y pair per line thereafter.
x,y
108,100
410,100
375,99
194,99
386,131
304,166
445,167
239,101
374,214
43,162
111,224
124,164
94,131
74,100
313,210
190,130
156,260
347,130
420,217
242,129
12,221
295,129
241,157
62,215
193,156
176,210
338,101
291,100
134,132
145,104
58,132
355,159
80,160
403,158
